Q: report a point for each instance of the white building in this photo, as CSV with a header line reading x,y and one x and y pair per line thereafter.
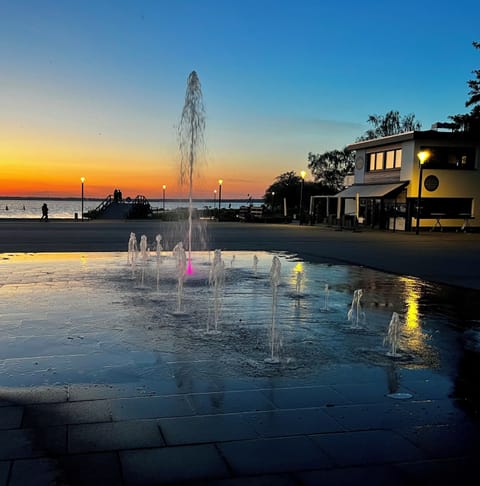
x,y
385,191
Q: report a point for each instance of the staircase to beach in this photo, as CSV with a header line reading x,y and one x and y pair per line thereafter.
x,y
111,208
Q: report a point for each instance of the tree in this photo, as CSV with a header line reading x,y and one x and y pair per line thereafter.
x,y
330,168
390,124
471,121
287,185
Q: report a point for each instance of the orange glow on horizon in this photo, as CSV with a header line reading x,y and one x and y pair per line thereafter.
x,y
32,167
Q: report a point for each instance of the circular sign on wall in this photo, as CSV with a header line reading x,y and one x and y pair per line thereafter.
x,y
431,183
359,163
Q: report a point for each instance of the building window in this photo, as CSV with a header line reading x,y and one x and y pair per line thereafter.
x,y
385,160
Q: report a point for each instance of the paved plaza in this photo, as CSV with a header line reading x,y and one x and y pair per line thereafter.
x,y
104,380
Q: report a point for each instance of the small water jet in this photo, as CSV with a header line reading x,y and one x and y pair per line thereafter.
x,y
181,269
216,279
355,314
393,336
255,264
298,283
143,256
326,297
132,252
158,249
275,271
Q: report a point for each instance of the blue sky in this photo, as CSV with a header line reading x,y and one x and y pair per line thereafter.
x,y
103,82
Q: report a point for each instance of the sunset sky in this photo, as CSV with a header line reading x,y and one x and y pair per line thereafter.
x,y
95,88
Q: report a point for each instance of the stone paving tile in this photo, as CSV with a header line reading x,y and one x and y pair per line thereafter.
x,y
38,394
206,428
261,480
305,397
172,464
11,417
51,440
451,440
367,447
264,456
396,414
35,472
229,402
67,413
371,475
110,436
4,472
279,423
448,471
150,407
92,469
17,443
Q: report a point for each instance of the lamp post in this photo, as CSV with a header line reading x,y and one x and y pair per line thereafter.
x,y
214,198
164,187
220,182
273,201
423,156
82,180
302,174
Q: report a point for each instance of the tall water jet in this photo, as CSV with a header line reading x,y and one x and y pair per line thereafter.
x,y
181,268
298,283
393,335
274,283
191,139
355,315
216,279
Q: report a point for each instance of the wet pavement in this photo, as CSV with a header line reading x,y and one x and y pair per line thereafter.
x,y
105,378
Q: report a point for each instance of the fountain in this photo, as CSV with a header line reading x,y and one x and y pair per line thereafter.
x,y
274,283
143,256
158,249
355,315
393,336
326,297
191,138
216,280
255,264
132,252
181,269
298,283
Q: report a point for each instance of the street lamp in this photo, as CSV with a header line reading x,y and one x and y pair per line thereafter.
x,y
423,156
82,180
220,182
302,174
273,201
164,187
214,198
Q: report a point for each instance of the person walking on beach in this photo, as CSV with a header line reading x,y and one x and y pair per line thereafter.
x,y
44,212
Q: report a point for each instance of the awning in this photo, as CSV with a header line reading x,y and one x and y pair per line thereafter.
x,y
370,190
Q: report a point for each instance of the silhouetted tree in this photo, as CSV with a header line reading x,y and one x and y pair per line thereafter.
x,y
390,124
471,121
287,185
330,168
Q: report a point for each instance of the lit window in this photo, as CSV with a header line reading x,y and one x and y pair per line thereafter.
x,y
390,160
379,161
398,158
371,165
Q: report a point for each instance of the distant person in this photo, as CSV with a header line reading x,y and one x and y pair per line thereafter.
x,y
6,208
44,212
